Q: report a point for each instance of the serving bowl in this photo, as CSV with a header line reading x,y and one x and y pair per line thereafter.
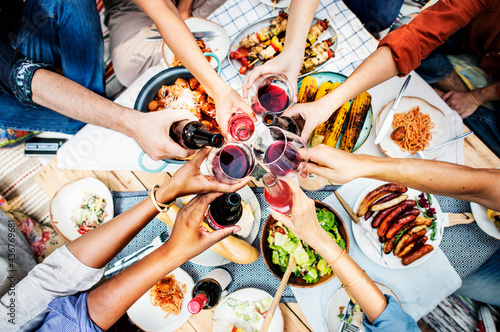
x,y
275,269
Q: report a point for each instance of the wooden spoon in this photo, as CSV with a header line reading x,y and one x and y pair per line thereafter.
x,y
277,296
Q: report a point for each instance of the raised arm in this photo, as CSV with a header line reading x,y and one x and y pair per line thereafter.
x,y
180,40
289,61
435,177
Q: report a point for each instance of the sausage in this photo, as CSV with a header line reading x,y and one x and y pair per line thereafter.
x,y
405,240
376,194
399,209
377,220
396,226
388,204
423,221
389,245
417,253
414,242
414,212
381,239
380,200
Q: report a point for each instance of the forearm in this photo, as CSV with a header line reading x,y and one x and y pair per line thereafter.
x,y
487,94
364,291
180,40
96,248
110,300
299,20
441,178
73,100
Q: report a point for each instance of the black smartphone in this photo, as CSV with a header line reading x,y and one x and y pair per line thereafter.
x,y
42,147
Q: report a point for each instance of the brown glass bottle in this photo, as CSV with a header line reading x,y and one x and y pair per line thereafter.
x,y
225,211
194,135
283,122
207,291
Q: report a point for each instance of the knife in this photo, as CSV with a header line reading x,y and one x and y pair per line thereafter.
x,y
390,115
139,254
196,35
348,312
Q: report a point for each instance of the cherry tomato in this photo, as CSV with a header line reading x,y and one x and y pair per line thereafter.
x,y
231,55
244,62
281,230
240,53
329,53
251,67
243,70
323,24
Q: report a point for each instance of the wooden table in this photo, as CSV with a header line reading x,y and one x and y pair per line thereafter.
x,y
52,179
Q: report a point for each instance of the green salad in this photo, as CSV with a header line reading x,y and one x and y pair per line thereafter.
x,y
310,266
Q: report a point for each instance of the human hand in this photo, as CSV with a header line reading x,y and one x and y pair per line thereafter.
x,y
189,236
286,63
228,102
465,103
188,180
152,133
334,164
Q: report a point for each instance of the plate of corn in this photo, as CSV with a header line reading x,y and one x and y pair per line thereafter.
x,y
349,126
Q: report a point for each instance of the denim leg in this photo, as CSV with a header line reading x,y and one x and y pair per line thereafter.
x,y
484,284
376,15
485,123
434,68
15,115
65,33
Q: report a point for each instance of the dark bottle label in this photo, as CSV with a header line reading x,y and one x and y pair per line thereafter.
x,y
225,211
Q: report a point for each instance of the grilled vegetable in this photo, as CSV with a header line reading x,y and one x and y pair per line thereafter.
x,y
355,121
325,88
308,90
336,125
319,133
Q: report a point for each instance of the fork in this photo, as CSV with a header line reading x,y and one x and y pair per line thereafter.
x,y
351,328
420,154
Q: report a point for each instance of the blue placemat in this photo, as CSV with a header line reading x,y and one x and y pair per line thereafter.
x,y
466,246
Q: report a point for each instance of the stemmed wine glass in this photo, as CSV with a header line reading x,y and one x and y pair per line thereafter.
x,y
271,93
231,163
277,151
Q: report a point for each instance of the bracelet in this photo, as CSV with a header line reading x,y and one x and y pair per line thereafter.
x,y
157,204
361,276
337,259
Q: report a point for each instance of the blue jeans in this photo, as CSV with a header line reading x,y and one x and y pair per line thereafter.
x,y
484,284
485,123
376,15
68,35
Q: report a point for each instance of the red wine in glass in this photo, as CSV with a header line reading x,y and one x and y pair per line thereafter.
x,y
277,193
282,158
241,126
232,162
273,98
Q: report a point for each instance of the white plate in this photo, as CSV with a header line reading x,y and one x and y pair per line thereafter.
x,y
224,315
218,44
341,299
393,262
387,145
255,27
70,196
279,4
211,258
483,221
151,318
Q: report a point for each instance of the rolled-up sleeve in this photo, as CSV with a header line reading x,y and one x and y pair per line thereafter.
x,y
393,318
414,41
16,73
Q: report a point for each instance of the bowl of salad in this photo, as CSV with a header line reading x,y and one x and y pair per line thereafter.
x,y
278,242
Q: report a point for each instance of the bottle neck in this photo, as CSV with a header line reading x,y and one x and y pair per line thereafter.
x,y
198,303
273,185
195,135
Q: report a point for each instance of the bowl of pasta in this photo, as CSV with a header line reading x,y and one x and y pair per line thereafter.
x,y
417,125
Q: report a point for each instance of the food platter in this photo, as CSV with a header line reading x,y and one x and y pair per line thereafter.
x,y
278,4
337,77
151,318
218,44
483,221
70,196
389,260
211,258
255,27
387,145
341,299
224,315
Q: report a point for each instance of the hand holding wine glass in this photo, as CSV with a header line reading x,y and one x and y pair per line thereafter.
x,y
233,162
271,93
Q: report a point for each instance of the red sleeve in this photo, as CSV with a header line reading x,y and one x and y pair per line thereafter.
x,y
414,41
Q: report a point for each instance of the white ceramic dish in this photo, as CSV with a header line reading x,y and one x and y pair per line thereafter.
x,y
218,44
211,258
279,4
341,299
69,197
393,262
225,316
441,132
255,27
152,319
485,223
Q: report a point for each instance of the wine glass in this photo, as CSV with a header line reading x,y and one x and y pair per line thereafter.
x,y
277,151
231,163
271,93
